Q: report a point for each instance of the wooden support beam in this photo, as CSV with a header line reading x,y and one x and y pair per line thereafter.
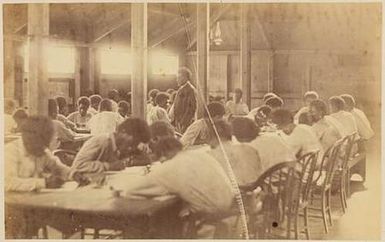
x,y
78,77
245,52
112,29
161,11
203,16
9,68
139,59
38,31
270,86
20,28
213,19
172,32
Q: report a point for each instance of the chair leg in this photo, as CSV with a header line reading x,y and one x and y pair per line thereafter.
x,y
296,226
329,207
82,233
342,192
306,223
347,191
288,227
45,232
324,211
96,234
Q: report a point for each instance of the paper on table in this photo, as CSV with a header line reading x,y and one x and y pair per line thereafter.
x,y
67,187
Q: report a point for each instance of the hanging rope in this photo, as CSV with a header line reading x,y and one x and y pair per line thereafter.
x,y
230,172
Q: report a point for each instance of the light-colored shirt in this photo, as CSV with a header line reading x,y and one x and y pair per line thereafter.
x,y
25,172
104,122
335,123
93,111
65,121
326,133
244,161
302,140
80,121
195,176
236,108
115,106
61,134
272,149
298,114
197,133
96,154
9,123
158,114
363,125
347,120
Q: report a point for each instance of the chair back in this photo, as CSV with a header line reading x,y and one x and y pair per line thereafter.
x,y
280,186
348,143
330,162
307,168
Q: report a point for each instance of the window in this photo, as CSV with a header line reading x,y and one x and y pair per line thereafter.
x,y
115,62
59,59
162,64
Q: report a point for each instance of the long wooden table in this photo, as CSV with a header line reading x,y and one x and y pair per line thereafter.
x,y
90,207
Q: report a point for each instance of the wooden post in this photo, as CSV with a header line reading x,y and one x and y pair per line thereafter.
x,y
38,31
139,59
245,58
203,18
270,87
91,68
78,77
9,68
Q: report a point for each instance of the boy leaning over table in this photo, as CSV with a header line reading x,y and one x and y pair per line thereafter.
x,y
113,152
30,166
193,175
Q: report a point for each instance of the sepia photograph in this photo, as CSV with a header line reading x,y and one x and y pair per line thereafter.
x,y
191,120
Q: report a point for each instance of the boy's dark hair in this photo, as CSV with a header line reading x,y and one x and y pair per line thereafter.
x,y
152,93
320,106
349,100
20,114
36,133
337,102
311,94
268,95
244,129
95,99
161,129
52,108
105,105
161,97
137,128
61,103
274,102
84,100
223,128
282,117
215,109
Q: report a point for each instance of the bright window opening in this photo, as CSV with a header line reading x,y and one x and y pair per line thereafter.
x,y
164,64
115,62
59,59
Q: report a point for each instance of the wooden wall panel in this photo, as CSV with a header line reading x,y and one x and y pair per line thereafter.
x,y
217,83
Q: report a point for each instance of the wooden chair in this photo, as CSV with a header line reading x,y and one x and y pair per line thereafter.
x,y
307,167
280,189
322,184
343,172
